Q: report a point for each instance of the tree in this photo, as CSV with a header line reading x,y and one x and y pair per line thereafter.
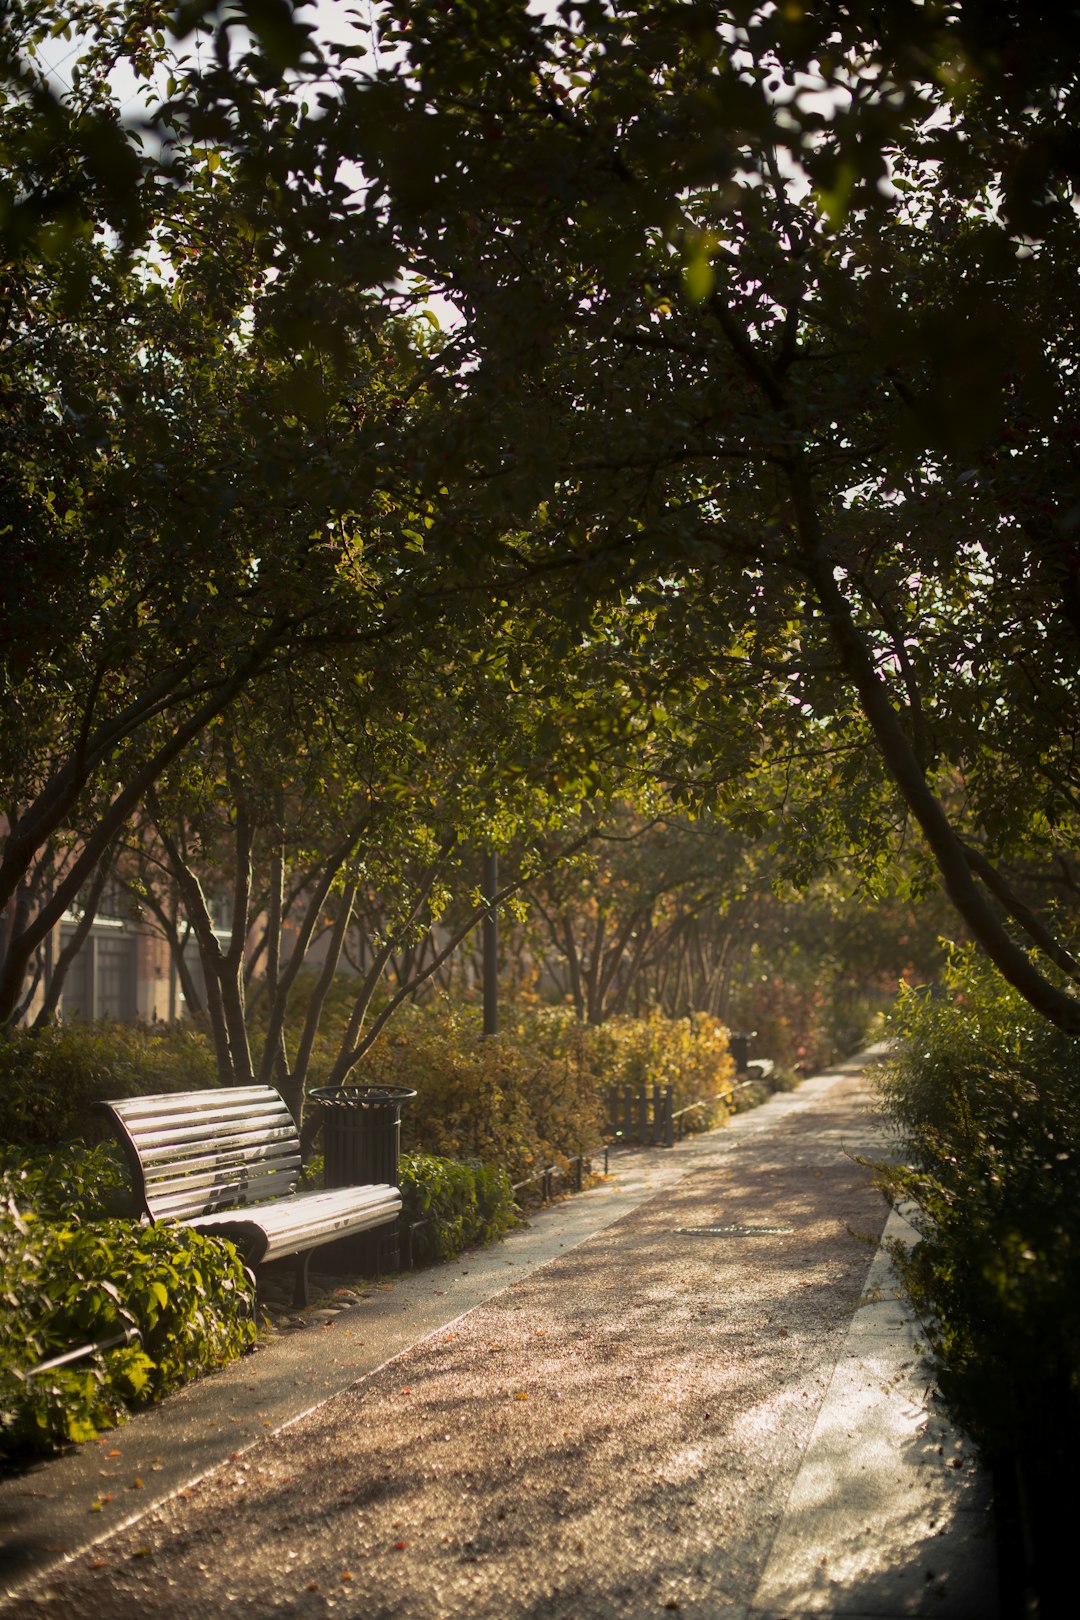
x,y
338,811
730,400
193,500
649,914
790,423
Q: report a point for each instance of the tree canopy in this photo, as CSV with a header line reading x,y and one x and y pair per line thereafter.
x,y
771,320
754,421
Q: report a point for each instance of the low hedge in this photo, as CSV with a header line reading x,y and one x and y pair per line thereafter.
x,y
985,1097
537,1094
459,1204
50,1078
67,1278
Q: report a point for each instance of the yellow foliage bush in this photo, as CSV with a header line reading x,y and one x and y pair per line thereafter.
x,y
537,1093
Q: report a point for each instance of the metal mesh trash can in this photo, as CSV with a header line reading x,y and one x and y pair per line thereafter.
x,y
361,1144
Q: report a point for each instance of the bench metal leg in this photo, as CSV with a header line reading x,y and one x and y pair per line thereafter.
x,y
300,1287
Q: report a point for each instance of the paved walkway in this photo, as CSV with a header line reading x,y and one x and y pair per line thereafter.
x,y
693,1389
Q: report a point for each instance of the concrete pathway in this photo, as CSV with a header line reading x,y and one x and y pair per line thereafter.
x,y
691,1389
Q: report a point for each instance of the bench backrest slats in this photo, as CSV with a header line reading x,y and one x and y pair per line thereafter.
x,y
209,1100
195,1152
210,1193
273,1157
172,1143
163,1119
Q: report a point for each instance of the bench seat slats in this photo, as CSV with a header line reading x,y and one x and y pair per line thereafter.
x,y
304,1220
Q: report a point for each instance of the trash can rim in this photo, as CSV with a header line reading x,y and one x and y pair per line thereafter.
x,y
362,1094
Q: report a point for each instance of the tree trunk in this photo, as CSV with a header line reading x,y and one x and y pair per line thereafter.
x,y
91,900
1060,1007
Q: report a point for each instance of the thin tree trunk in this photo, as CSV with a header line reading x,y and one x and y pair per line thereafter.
x,y
33,831
91,900
1060,1007
198,914
302,1060
231,962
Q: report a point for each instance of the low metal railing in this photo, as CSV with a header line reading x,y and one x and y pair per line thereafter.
x,y
575,1170
115,1341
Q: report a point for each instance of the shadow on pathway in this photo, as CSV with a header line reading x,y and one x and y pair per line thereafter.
x,y
664,1415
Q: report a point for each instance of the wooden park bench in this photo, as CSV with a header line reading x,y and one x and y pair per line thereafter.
x,y
227,1161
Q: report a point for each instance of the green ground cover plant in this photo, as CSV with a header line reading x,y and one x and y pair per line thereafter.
x,y
70,1274
461,1203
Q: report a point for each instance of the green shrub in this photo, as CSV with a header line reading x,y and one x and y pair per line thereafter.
x,y
70,1183
751,1095
985,1098
689,1054
503,1101
64,1283
50,1078
460,1202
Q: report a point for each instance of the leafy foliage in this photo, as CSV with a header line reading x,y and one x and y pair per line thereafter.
x,y
756,397
536,1094
461,1202
67,1278
746,469
69,1182
986,1100
50,1078
689,1054
494,1100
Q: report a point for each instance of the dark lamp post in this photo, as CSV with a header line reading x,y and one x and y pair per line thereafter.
x,y
491,945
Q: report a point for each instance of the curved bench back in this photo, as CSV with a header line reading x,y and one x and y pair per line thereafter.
x,y
194,1152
